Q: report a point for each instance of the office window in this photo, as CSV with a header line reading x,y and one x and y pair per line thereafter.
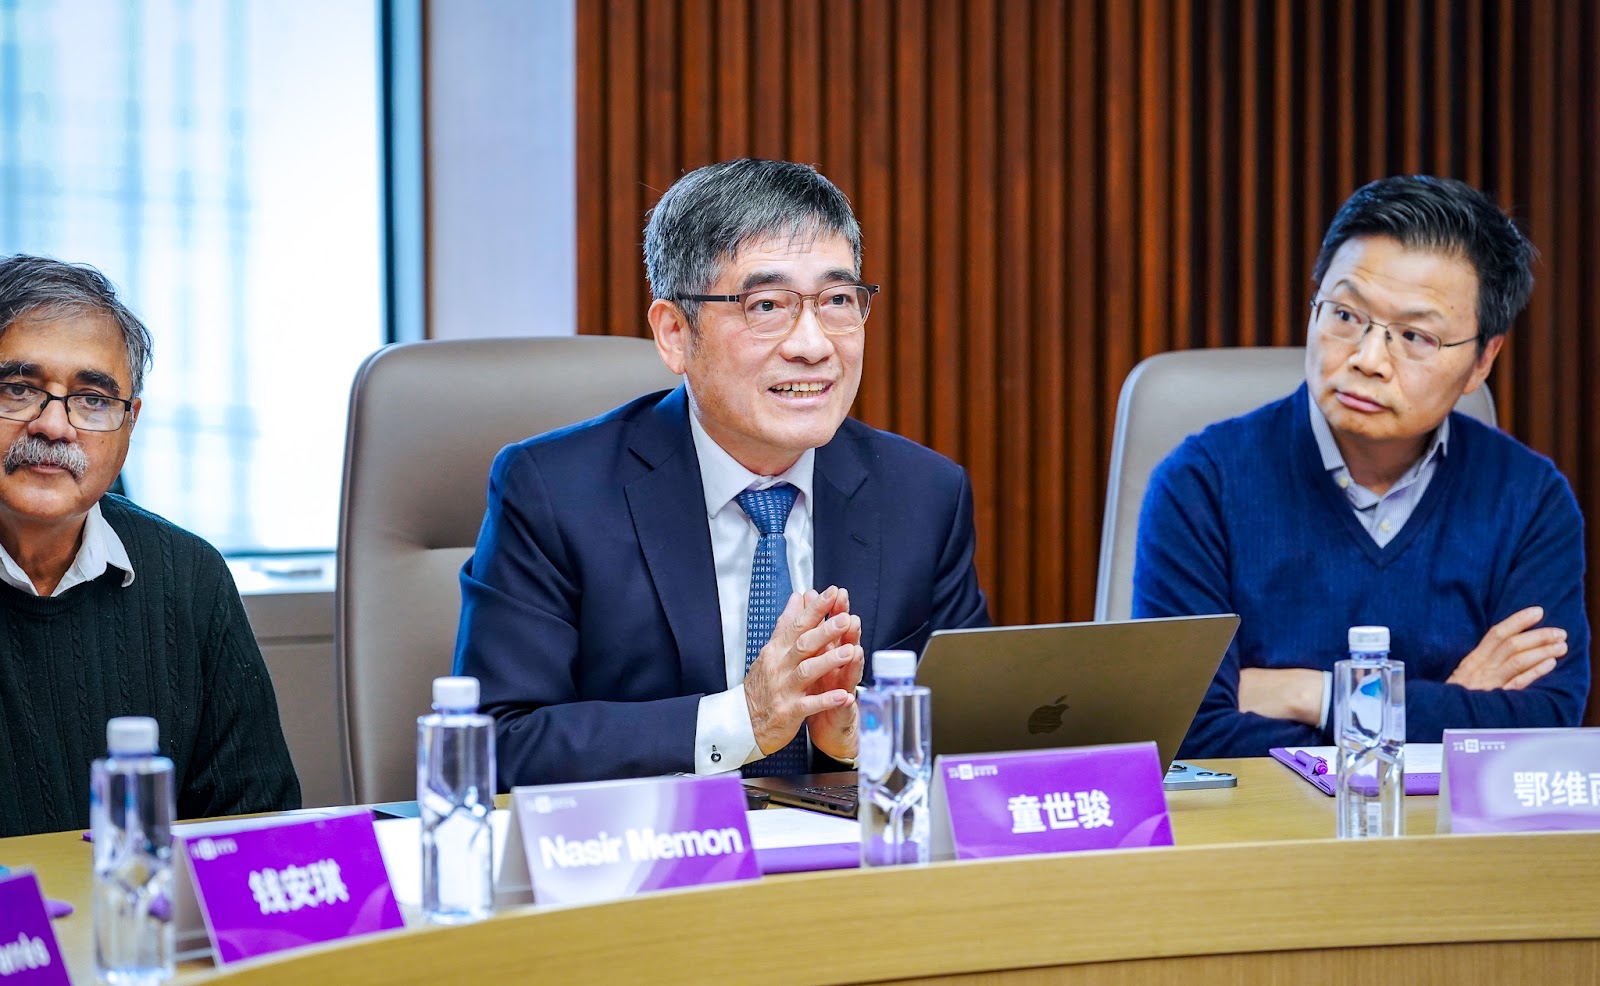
x,y
219,160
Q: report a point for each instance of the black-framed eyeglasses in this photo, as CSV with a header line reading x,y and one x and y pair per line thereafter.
x,y
772,312
1337,320
89,412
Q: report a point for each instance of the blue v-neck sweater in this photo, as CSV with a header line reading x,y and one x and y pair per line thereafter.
x,y
1243,518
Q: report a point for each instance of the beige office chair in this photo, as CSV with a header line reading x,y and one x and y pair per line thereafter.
x,y
426,420
1164,400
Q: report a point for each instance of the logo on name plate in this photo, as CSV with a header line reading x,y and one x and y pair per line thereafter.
x,y
544,804
210,849
967,771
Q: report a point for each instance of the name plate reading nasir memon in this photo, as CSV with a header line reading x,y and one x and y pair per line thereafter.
x,y
1520,780
611,839
1012,804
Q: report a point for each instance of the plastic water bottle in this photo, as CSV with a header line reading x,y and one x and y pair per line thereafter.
x,y
455,791
895,761
1369,712
130,813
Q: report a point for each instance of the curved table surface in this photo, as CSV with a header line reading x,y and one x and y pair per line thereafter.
x,y
1256,890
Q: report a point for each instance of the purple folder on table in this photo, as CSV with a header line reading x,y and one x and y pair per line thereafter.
x,y
802,859
1307,767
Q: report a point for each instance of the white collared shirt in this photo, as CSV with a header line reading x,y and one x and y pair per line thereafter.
x,y
101,548
722,728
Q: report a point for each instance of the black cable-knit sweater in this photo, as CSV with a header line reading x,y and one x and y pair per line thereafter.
x,y
175,645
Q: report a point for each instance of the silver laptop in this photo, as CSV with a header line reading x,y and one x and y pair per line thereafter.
x,y
1062,684
1071,684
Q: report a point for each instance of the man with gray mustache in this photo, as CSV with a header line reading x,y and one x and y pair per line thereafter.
x,y
31,450
106,609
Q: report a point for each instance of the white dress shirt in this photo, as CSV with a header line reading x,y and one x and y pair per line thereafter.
x,y
101,548
724,738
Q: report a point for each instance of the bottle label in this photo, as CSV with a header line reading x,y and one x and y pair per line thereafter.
x,y
610,839
1010,804
875,742
293,883
28,949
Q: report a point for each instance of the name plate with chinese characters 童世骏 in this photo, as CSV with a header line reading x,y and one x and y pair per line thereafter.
x,y
1011,804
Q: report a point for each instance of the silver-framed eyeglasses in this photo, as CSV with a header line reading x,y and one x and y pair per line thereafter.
x,y
772,312
1337,320
88,412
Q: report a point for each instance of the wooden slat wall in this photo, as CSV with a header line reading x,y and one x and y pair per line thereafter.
x,y
1052,190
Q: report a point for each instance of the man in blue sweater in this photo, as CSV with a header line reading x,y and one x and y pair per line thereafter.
x,y
1362,499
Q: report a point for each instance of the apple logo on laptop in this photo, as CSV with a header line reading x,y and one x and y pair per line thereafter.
x,y
1047,718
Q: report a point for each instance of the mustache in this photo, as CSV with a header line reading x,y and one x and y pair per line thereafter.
x,y
31,450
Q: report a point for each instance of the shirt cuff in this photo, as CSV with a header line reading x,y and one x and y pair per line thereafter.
x,y
1327,698
724,739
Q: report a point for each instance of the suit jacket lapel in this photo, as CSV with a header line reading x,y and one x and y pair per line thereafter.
x,y
669,518
847,534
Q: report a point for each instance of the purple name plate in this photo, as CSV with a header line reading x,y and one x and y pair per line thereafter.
x,y
1520,780
28,950
1012,804
263,890
611,839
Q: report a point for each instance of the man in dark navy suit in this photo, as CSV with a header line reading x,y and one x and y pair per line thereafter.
x,y
642,597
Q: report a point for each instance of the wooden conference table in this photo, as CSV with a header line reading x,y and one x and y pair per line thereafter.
x,y
1256,891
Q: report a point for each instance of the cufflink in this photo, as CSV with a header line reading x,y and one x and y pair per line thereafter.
x,y
715,756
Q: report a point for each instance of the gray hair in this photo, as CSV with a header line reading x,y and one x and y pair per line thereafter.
x,y
709,214
40,286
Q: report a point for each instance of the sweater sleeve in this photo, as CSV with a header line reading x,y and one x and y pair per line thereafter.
x,y
1546,569
241,762
1181,568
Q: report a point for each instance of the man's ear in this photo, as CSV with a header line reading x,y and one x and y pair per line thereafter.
x,y
133,412
1480,369
670,327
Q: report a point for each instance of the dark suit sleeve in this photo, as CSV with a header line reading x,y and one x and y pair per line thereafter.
x,y
957,600
1181,569
523,593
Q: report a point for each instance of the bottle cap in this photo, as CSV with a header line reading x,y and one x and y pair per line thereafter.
x,y
455,693
131,736
1369,638
894,664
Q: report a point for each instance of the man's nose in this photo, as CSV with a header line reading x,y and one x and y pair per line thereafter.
x,y
1372,351
807,340
52,422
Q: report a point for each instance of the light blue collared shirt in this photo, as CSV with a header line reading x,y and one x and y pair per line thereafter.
x,y
1381,516
101,548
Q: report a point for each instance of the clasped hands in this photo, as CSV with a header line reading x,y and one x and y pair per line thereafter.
x,y
1511,656
807,673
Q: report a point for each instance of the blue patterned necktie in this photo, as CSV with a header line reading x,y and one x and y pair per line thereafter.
x,y
769,591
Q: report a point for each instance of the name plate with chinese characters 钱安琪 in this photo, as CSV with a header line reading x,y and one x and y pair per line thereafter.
x,y
1013,804
264,885
1520,780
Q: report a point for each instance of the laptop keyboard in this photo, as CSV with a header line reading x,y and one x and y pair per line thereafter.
x,y
841,791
